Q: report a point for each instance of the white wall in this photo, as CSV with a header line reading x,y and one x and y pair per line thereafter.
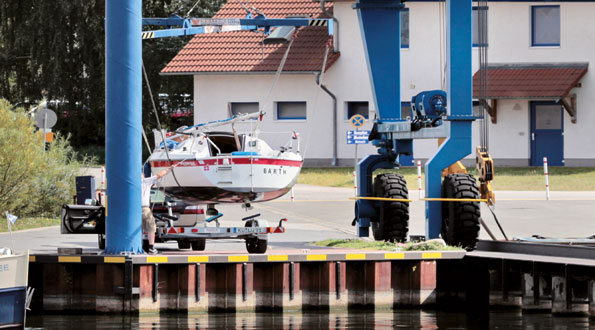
x,y
213,93
509,42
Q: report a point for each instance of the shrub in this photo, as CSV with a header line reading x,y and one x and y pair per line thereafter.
x,y
33,181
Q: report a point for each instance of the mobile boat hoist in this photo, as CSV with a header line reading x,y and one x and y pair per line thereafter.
x,y
452,204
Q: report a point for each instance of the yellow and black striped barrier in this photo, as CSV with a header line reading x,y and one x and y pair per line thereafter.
x,y
248,258
318,22
148,35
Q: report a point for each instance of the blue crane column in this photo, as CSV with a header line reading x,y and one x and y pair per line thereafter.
x,y
459,82
380,28
123,125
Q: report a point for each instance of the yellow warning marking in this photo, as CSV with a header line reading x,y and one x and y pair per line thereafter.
x,y
355,256
114,260
431,255
31,258
277,257
69,259
316,257
238,258
148,35
310,201
157,260
394,255
318,22
383,199
198,259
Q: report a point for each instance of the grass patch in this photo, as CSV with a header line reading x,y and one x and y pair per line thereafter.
x,y
356,244
29,223
386,246
506,178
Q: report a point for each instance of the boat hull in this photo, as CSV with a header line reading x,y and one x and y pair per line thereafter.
x,y
230,179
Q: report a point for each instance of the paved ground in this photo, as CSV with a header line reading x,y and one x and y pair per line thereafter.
x,y
322,212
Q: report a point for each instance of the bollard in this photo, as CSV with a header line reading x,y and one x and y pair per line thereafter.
x,y
419,179
547,181
355,183
103,177
292,195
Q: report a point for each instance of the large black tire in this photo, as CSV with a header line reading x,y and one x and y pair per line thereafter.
x,y
460,220
392,223
199,244
183,245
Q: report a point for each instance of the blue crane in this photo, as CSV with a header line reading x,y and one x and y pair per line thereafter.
x,y
124,37
438,114
383,201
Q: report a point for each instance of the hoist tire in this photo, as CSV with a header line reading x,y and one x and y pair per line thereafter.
x,y
392,222
460,220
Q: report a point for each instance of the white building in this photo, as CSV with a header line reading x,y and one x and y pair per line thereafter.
x,y
540,54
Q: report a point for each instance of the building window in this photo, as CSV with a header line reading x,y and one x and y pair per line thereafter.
x,y
236,108
358,108
406,110
545,26
291,110
405,28
479,13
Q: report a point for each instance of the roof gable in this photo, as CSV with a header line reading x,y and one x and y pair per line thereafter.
x,y
244,52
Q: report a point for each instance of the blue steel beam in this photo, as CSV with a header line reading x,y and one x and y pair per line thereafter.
x,y
380,24
460,107
123,120
191,26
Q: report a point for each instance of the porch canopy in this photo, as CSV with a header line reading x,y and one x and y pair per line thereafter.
x,y
535,81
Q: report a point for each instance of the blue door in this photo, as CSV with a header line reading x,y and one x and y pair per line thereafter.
x,y
547,133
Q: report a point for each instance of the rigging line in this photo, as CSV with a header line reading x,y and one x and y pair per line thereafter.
x,y
275,80
278,73
159,125
146,141
442,50
320,80
482,12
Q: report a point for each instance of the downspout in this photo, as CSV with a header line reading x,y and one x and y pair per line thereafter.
x,y
335,28
326,90
323,87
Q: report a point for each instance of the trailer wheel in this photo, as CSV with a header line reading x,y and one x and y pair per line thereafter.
x,y
460,220
392,223
101,241
199,245
255,245
183,245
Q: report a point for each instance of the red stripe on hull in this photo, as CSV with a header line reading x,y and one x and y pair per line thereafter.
x,y
233,161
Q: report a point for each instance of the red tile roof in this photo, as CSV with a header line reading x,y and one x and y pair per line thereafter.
x,y
535,80
243,51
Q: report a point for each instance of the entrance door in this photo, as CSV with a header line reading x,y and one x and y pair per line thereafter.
x,y
547,133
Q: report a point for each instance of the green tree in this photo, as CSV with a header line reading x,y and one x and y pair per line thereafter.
x,y
55,49
33,181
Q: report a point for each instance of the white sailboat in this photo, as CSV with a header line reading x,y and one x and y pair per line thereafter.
x,y
225,167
